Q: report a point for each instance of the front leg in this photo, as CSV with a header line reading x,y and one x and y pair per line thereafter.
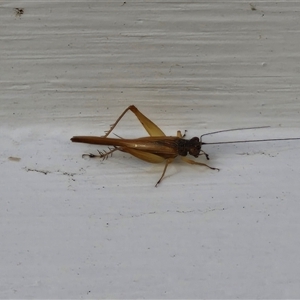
x,y
204,153
179,134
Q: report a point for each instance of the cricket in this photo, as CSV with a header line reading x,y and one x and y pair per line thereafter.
x,y
157,147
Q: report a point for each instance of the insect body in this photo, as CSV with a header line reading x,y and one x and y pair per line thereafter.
x,y
157,147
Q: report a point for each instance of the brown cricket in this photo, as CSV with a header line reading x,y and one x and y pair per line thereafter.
x,y
157,147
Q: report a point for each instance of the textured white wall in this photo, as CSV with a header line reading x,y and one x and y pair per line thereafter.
x,y
83,228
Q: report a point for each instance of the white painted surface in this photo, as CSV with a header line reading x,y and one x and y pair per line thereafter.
x,y
92,229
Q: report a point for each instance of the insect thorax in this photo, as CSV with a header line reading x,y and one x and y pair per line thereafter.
x,y
192,146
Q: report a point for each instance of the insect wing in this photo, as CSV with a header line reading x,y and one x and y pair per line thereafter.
x,y
93,140
166,147
146,156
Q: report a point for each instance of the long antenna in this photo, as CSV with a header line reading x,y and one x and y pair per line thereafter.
x,y
245,141
235,129
252,141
